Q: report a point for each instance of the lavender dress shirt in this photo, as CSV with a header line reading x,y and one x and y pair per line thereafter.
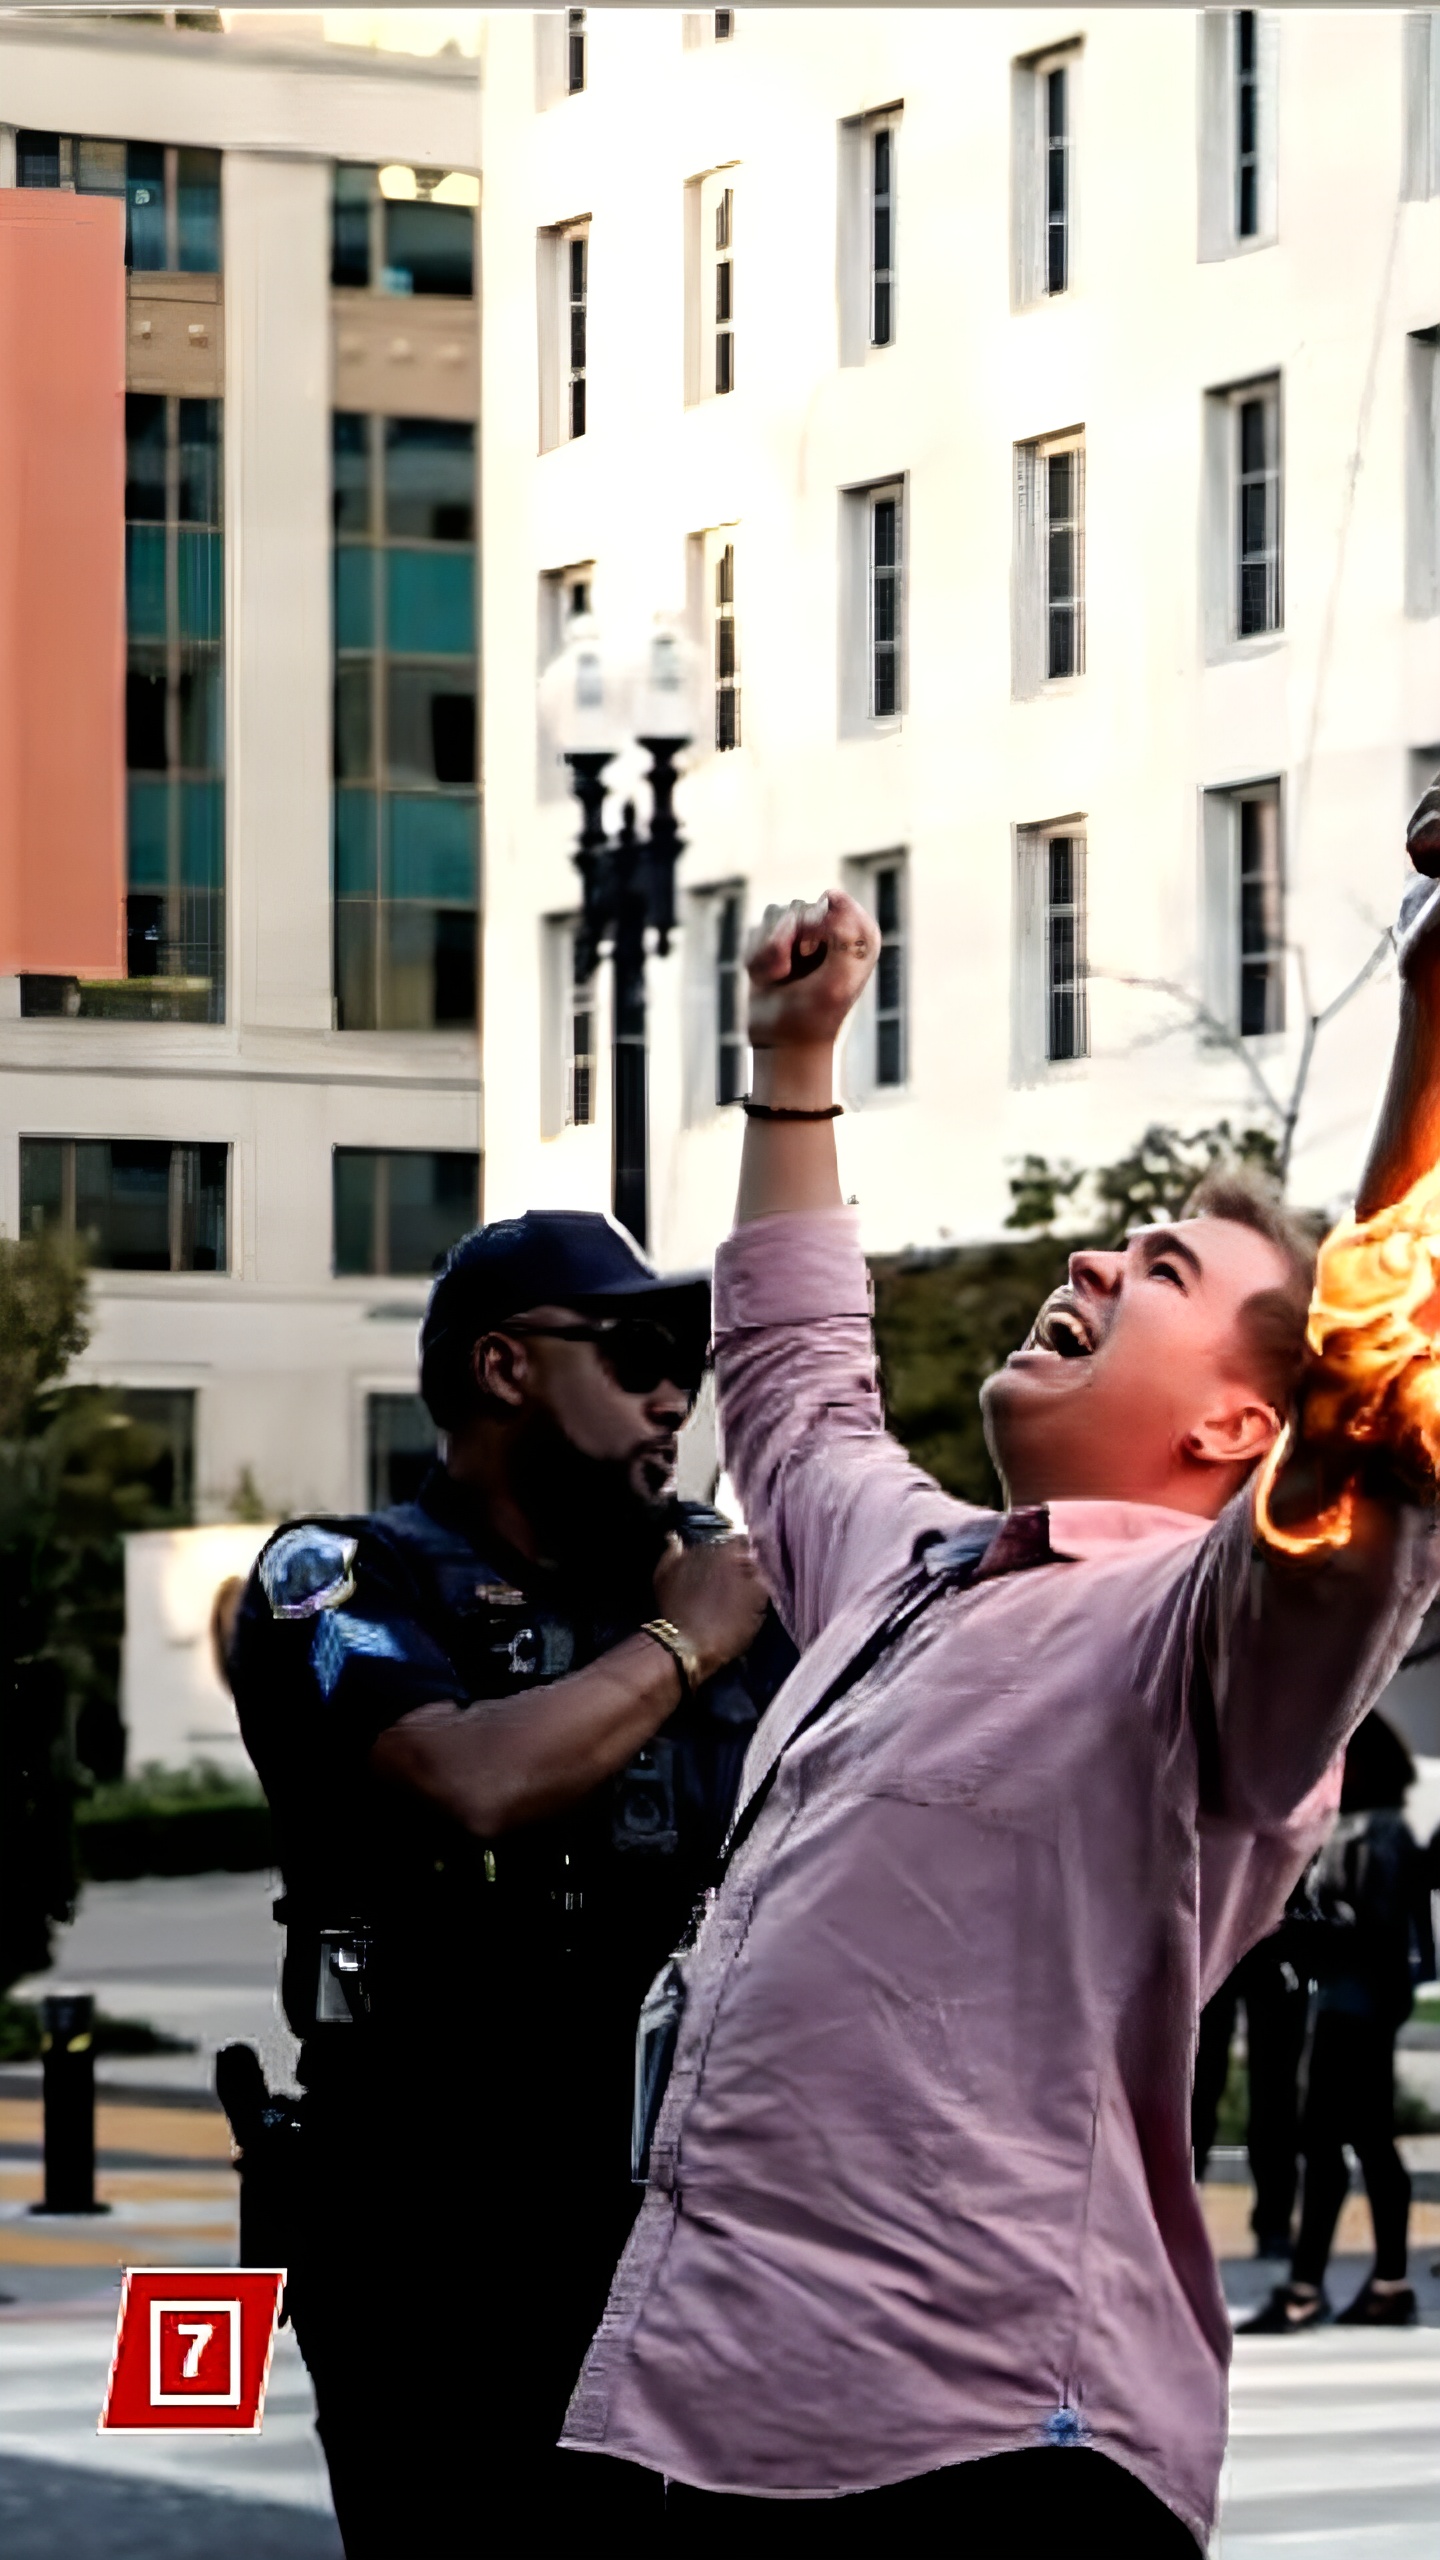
x,y
921,2188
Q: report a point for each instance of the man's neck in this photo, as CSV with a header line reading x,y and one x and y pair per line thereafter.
x,y
479,1466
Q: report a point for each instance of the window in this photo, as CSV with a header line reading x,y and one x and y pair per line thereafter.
x,y
872,619
1245,908
1043,100
725,291
574,51
398,1210
716,1052
1257,512
710,286
1237,128
167,1414
1048,642
563,273
137,1204
400,1449
702,27
1421,76
562,594
1051,1011
1244,565
174,725
570,1031
882,234
1422,472
884,599
403,230
405,801
730,1042
727,664
577,255
877,1051
171,196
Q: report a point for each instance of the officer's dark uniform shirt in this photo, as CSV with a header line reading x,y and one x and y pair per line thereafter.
x,y
518,1965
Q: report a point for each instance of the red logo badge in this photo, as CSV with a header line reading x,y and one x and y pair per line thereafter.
x,y
193,2348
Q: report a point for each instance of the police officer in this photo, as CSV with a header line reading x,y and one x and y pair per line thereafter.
x,y
501,1729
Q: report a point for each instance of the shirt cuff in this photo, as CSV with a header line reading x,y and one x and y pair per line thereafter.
x,y
797,1268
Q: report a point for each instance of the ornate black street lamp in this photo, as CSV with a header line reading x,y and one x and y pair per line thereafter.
x,y
628,880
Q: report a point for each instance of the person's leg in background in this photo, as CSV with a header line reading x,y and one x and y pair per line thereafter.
x,y
1212,2069
1277,2006
1301,2304
1386,2299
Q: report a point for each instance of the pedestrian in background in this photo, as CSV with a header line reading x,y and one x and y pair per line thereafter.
x,y
1372,1942
1276,1999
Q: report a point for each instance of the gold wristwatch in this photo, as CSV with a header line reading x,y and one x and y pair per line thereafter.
x,y
682,1654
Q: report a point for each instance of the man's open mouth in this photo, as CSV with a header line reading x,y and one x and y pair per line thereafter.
x,y
1060,1327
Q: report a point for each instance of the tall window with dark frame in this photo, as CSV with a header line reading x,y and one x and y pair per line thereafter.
x,y
729,1007
724,25
727,660
137,1204
575,51
884,617
171,194
398,1210
1057,178
400,1448
882,235
1257,511
888,889
1262,915
1064,554
405,801
1247,125
725,291
579,1107
1067,1029
577,275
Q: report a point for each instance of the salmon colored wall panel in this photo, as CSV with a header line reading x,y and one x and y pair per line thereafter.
x,y
62,584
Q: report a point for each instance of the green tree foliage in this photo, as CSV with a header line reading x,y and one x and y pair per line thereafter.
x,y
75,1474
944,1321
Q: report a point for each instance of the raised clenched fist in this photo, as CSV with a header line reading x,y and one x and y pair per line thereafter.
x,y
714,1595
808,965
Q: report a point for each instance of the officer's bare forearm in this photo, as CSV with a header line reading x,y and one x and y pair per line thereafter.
x,y
790,1164
509,1761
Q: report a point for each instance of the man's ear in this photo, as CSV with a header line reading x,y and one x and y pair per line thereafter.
x,y
499,1364
1236,1432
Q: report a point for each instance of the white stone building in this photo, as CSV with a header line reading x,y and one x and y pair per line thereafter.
x,y
1157,288
266,1183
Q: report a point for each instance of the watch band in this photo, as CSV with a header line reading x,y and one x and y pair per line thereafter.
x,y
683,1655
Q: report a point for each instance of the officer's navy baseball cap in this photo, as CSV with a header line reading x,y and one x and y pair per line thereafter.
x,y
576,1258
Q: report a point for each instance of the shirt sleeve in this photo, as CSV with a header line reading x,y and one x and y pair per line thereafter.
x,y
831,1500
350,1655
1286,1653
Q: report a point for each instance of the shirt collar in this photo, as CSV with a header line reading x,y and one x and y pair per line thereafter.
x,y
1085,1532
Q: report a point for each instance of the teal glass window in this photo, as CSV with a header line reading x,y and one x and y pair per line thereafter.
x,y
406,804
398,1210
137,1204
171,196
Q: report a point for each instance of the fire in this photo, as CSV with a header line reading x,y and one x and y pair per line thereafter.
x,y
1375,1378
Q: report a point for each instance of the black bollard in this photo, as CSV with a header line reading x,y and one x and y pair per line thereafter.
x,y
68,2048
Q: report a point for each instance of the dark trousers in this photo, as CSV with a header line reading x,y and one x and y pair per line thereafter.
x,y
1275,2017
1351,2098
443,2321
1042,2505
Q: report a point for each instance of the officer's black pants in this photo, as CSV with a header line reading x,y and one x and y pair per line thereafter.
x,y
1350,2097
443,2300
1045,2505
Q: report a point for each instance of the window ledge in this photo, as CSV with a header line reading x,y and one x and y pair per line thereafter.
x,y
1261,644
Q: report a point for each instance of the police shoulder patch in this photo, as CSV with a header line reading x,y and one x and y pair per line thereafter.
x,y
308,1569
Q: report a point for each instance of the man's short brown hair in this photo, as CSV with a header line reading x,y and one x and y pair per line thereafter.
x,y
1272,1321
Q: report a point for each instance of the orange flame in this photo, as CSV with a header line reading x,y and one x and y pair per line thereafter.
x,y
1375,1375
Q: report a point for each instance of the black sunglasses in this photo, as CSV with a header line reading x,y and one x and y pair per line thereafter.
x,y
638,1352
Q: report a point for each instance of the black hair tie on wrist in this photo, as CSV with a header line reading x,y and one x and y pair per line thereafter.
x,y
771,1111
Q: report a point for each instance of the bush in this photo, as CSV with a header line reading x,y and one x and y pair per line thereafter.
x,y
174,1822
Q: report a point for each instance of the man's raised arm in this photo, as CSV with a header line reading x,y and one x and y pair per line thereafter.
x,y
834,1505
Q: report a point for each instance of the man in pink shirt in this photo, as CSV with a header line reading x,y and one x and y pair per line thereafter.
x,y
920,2218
